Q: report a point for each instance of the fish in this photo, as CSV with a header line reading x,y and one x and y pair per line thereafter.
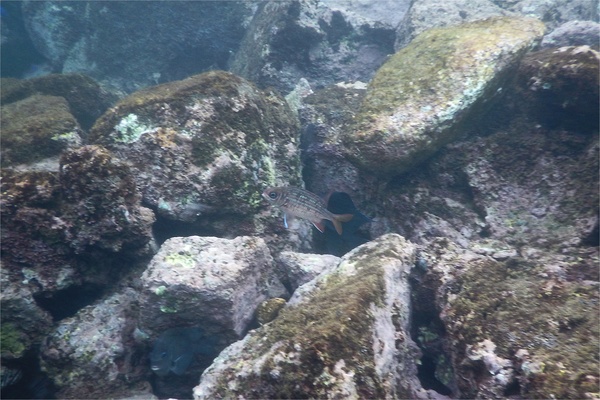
x,y
176,348
304,204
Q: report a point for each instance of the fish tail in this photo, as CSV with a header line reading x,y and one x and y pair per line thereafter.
x,y
338,219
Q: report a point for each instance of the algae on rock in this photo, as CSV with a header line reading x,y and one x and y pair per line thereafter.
x,y
203,149
344,334
419,98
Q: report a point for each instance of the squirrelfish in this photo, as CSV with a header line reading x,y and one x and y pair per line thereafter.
x,y
304,204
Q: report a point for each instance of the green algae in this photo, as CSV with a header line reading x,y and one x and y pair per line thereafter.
x,y
129,129
10,341
181,260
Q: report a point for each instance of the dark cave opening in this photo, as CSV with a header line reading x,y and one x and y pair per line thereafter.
x,y
164,229
426,375
65,303
435,371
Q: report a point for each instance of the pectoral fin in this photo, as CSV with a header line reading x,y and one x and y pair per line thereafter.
x,y
181,363
285,220
319,225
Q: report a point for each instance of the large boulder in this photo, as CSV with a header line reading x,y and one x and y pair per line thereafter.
x,y
202,151
36,128
344,334
521,325
86,98
93,354
115,44
323,42
102,203
420,98
573,33
213,283
426,14
559,87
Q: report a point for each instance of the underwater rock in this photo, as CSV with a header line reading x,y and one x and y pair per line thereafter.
x,y
102,203
295,269
92,355
115,44
209,282
36,128
345,336
525,326
514,184
66,236
269,309
324,115
23,323
323,42
553,12
87,100
420,98
202,150
427,14
560,87
573,33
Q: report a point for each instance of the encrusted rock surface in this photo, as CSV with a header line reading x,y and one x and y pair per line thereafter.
x,y
86,98
66,237
524,324
344,335
427,14
35,128
206,281
323,42
202,150
560,87
573,33
24,324
100,195
296,269
92,355
420,97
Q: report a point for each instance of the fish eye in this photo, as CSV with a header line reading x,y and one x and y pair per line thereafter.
x,y
273,195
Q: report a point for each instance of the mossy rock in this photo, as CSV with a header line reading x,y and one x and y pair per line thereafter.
x,y
36,128
419,99
555,321
216,139
322,344
86,98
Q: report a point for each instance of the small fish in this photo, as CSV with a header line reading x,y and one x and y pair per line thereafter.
x,y
176,348
304,204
